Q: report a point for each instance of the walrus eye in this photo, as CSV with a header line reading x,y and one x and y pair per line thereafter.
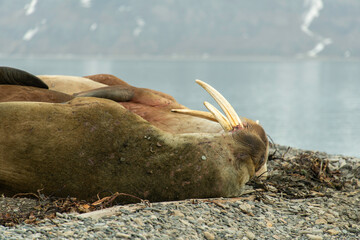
x,y
228,123
261,162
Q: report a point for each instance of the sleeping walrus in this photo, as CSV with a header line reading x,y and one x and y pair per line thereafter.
x,y
140,146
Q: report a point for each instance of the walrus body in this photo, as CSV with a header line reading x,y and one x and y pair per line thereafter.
x,y
107,79
90,145
9,93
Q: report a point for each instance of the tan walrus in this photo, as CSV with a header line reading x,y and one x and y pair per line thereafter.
x,y
89,145
69,84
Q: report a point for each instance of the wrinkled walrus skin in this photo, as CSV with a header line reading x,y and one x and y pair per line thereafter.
x,y
91,145
9,93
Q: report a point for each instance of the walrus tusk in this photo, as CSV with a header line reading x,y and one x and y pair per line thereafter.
x,y
232,121
196,113
224,104
221,119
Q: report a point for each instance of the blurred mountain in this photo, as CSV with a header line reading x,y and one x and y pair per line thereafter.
x,y
178,28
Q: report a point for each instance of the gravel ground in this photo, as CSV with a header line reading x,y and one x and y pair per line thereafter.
x,y
308,195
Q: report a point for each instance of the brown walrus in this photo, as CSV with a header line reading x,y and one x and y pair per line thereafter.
x,y
18,85
89,145
13,76
9,93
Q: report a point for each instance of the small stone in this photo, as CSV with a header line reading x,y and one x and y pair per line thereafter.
x,y
314,237
177,213
47,229
329,218
200,220
282,220
334,213
187,223
209,236
320,221
250,235
68,233
123,235
354,230
138,221
19,231
245,207
35,236
269,224
203,157
333,231
272,188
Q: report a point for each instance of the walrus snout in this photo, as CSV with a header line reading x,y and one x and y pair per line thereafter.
x,y
250,138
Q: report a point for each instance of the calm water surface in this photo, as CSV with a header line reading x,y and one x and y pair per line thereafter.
x,y
306,104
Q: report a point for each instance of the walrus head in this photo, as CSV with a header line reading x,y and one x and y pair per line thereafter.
x,y
246,132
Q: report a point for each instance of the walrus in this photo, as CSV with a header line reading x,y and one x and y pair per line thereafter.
x,y
89,145
69,84
18,85
9,93
13,76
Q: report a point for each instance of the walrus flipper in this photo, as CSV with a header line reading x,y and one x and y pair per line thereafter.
x,y
13,76
115,93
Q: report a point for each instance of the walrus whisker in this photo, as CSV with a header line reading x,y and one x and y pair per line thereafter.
x,y
223,103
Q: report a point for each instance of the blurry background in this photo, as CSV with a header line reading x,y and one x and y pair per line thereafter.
x,y
183,28
294,65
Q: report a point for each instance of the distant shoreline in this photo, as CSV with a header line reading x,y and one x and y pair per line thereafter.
x,y
179,57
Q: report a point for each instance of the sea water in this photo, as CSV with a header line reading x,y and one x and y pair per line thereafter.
x,y
309,104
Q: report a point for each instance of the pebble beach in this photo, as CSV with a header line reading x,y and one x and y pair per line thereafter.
x,y
290,204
